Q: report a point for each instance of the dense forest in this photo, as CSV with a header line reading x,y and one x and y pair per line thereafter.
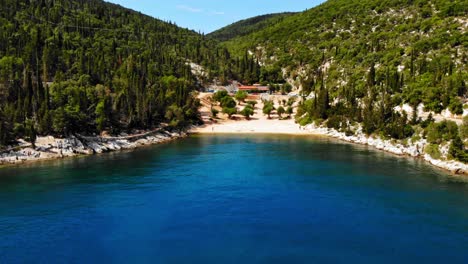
x,y
69,66
76,66
356,61
247,26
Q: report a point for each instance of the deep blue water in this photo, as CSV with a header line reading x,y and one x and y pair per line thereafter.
x,y
234,199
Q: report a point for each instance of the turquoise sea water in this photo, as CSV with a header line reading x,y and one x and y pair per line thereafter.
x,y
234,199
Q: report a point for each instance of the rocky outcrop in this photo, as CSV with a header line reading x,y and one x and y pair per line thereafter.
x,y
53,148
413,149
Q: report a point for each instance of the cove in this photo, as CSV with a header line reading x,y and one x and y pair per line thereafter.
x,y
234,199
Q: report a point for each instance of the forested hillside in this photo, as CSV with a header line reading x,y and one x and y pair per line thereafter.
x,y
75,66
358,60
340,40
70,66
248,26
342,34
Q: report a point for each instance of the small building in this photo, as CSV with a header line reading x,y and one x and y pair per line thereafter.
x,y
256,88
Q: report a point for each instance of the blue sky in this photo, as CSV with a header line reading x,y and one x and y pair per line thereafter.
x,y
209,15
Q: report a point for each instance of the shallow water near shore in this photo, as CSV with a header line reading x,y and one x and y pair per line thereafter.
x,y
234,199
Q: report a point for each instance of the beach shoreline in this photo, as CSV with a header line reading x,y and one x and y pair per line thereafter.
x,y
261,125
49,148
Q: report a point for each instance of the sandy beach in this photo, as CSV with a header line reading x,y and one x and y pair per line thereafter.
x,y
257,125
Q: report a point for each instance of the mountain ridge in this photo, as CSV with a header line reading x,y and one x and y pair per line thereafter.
x,y
247,26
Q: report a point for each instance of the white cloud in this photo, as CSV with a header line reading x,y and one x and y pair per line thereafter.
x,y
192,9
218,13
189,8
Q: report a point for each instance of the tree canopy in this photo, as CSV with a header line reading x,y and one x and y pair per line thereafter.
x,y
88,66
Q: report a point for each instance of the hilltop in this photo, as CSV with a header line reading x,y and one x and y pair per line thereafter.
x,y
248,26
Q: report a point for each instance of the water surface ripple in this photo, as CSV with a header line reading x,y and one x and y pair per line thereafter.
x,y
234,199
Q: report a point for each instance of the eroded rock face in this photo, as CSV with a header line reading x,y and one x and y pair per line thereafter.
x,y
52,148
413,149
96,147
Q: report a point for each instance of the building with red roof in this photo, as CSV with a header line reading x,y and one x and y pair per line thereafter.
x,y
256,88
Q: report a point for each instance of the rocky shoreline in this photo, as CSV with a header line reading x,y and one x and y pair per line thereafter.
x,y
414,149
56,148
48,147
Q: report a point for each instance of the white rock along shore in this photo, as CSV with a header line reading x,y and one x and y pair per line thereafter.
x,y
413,149
56,148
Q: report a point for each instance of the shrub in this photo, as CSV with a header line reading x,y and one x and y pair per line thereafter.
x,y
230,111
433,151
252,103
280,111
268,108
456,106
228,102
214,112
464,128
247,112
398,129
336,122
428,121
219,95
436,133
305,120
241,96
457,150
289,111
415,138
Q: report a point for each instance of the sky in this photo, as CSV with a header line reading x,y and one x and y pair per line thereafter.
x,y
208,15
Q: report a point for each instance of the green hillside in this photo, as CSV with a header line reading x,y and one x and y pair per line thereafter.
x,y
248,26
417,49
360,59
358,33
74,66
88,66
